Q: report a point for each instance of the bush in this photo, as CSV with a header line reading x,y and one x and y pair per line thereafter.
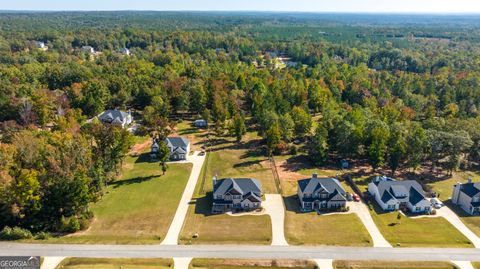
x,y
15,233
69,225
42,236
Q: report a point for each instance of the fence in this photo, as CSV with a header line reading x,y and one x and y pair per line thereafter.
x,y
275,174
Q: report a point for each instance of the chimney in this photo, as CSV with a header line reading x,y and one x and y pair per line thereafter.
x,y
314,175
214,180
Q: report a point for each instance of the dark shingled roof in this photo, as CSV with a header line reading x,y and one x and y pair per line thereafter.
x,y
311,185
242,185
112,115
470,189
177,142
403,191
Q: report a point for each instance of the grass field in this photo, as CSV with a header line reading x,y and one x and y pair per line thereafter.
x,y
99,263
312,229
227,160
476,265
422,232
247,264
196,136
137,208
391,265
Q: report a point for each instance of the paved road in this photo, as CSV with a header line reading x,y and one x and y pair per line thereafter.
x,y
363,213
241,252
274,207
176,226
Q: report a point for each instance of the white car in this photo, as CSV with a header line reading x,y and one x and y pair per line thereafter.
x,y
436,203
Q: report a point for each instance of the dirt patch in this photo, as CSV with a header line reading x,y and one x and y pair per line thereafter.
x,y
287,172
138,149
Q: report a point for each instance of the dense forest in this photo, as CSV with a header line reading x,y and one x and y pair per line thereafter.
x,y
396,91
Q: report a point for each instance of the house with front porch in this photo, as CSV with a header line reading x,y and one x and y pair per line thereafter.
x,y
236,194
467,196
320,194
392,195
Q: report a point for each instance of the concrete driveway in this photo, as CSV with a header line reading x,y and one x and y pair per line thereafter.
x,y
176,226
449,215
274,207
51,262
363,213
324,263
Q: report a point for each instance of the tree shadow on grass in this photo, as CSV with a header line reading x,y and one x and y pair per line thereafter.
x,y
191,130
145,158
246,164
457,209
135,180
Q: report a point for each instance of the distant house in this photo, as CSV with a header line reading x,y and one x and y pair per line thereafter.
x,y
116,117
41,45
124,51
200,123
467,196
393,195
88,49
154,149
236,194
179,148
320,194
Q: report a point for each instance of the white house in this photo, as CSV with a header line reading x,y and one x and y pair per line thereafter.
x,y
125,51
467,196
88,49
41,45
116,117
394,195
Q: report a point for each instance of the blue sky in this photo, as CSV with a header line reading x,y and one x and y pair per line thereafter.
x,y
408,6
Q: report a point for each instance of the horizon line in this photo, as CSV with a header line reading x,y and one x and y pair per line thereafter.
x,y
242,11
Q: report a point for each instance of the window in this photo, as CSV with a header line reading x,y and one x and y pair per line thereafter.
x,y
324,195
219,197
418,208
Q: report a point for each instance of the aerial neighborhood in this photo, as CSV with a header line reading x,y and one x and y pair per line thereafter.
x,y
253,139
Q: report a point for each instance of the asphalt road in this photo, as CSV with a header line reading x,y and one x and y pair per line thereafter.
x,y
239,252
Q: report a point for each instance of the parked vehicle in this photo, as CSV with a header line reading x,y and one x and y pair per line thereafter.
x,y
436,203
356,197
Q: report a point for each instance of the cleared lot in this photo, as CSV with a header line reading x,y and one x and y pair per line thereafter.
x,y
98,263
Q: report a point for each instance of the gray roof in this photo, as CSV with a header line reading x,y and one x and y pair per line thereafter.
x,y
177,142
241,185
470,189
403,191
113,115
311,185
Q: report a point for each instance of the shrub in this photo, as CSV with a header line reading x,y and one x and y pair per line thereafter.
x,y
42,236
15,233
69,225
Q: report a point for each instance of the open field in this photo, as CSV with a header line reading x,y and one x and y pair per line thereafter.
x,y
99,263
420,232
391,265
246,264
228,160
137,208
312,229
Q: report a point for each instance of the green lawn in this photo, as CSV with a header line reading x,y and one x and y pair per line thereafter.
x,y
391,265
312,229
195,135
227,161
222,228
423,232
100,263
138,208
250,264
